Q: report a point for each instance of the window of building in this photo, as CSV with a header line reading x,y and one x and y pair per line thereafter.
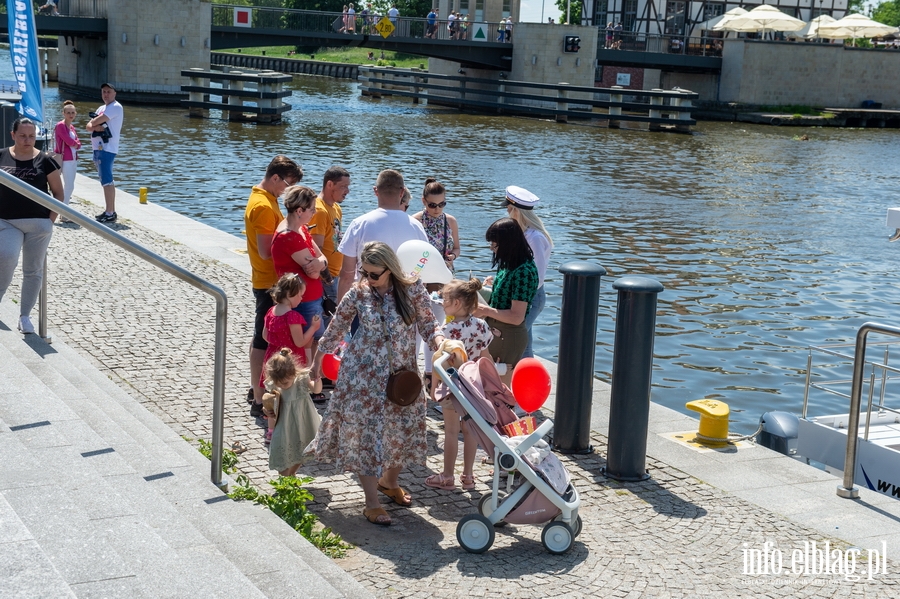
x,y
629,18
600,13
711,10
506,8
479,10
675,18
464,6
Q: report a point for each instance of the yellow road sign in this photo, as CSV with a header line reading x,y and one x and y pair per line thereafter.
x,y
384,27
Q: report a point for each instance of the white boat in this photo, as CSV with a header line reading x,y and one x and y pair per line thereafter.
x,y
822,440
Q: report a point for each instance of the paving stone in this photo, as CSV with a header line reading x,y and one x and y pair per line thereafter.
x,y
671,536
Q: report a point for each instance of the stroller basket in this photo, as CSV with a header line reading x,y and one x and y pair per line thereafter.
x,y
545,494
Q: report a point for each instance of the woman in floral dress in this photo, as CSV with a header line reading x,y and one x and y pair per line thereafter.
x,y
362,431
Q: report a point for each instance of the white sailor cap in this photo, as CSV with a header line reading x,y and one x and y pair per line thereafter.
x,y
521,198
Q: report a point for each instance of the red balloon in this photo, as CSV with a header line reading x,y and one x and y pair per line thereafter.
x,y
330,366
530,384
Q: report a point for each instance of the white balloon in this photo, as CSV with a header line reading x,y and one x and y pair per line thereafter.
x,y
421,260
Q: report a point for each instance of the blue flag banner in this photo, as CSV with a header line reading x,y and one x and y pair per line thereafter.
x,y
25,59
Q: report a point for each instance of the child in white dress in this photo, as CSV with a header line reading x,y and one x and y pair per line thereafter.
x,y
460,301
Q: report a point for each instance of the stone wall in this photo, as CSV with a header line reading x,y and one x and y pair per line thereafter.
x,y
824,75
148,45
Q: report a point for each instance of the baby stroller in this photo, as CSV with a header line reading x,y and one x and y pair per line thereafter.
x,y
545,495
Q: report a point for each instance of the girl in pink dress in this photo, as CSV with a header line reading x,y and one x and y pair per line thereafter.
x,y
284,326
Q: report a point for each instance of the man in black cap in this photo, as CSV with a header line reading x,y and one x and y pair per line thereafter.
x,y
105,126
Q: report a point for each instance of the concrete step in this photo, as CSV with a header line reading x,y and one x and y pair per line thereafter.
x,y
86,520
178,505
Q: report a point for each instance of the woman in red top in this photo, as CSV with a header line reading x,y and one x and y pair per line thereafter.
x,y
293,250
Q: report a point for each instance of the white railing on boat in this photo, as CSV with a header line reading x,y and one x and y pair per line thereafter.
x,y
858,357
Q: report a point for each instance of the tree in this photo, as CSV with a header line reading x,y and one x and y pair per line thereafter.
x,y
319,5
576,7
888,13
854,6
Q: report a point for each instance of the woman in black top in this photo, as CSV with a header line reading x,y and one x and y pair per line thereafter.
x,y
26,226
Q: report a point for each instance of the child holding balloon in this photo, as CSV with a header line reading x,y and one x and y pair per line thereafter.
x,y
283,327
460,300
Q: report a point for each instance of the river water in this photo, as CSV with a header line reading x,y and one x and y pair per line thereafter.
x,y
764,244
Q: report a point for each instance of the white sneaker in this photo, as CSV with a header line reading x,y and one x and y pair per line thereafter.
x,y
25,326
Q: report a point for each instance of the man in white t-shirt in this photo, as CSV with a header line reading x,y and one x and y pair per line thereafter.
x,y
388,223
105,127
393,13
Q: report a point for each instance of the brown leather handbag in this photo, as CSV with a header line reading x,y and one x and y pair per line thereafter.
x,y
403,386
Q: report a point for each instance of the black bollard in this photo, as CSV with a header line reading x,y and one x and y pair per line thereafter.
x,y
629,402
577,340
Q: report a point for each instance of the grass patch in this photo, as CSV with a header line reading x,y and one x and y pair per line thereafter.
x,y
345,55
797,111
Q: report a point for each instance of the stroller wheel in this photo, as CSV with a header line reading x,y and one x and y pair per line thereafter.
x,y
475,533
557,537
576,529
484,508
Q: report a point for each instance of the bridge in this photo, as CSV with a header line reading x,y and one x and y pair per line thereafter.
x,y
288,27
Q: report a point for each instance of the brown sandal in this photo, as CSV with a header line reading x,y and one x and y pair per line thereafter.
x,y
398,495
372,515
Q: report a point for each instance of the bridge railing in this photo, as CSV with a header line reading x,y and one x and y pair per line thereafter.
x,y
660,43
84,8
335,22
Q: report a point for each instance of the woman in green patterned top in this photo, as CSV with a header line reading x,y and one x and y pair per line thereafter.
x,y
513,291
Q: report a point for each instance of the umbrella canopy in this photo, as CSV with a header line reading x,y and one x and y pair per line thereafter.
x,y
710,24
855,26
811,31
763,18
719,23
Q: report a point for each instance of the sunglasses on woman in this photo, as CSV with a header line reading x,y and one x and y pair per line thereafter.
x,y
371,275
432,205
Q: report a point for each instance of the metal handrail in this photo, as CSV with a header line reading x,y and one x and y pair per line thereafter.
x,y
218,417
859,361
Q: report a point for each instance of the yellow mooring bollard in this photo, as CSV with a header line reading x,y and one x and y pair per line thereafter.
x,y
142,195
713,421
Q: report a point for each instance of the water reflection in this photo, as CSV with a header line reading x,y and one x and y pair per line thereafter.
x,y
764,244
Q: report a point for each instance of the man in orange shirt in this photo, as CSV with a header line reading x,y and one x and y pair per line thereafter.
x,y
260,220
325,226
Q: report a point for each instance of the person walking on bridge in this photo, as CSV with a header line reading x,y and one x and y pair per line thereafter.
x,y
105,126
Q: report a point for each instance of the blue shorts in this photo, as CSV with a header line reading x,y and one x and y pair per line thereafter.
x,y
104,162
309,309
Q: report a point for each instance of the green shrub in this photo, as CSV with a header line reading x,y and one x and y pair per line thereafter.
x,y
229,458
289,503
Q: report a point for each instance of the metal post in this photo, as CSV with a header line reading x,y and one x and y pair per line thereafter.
x,y
629,404
615,110
42,307
562,103
577,341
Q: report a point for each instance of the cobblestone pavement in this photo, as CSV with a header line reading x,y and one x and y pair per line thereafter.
x,y
671,536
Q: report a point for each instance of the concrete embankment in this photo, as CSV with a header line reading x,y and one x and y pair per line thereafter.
x,y
297,66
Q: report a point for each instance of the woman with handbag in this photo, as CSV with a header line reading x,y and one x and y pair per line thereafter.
x,y
512,293
294,251
366,428
66,149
